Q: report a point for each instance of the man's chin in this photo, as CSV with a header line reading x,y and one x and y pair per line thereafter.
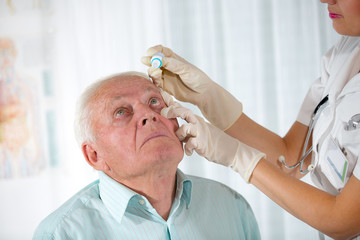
x,y
164,154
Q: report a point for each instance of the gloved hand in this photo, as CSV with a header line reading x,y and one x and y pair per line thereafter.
x,y
189,84
210,142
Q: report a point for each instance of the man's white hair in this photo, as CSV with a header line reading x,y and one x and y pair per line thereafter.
x,y
84,112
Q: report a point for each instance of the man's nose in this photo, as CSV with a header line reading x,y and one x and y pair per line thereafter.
x,y
148,116
147,119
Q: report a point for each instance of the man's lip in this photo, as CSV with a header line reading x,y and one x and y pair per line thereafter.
x,y
154,135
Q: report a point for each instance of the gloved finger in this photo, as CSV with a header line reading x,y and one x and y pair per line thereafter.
x,y
155,75
167,98
190,146
181,68
146,60
169,112
159,48
186,130
176,110
194,144
188,152
154,72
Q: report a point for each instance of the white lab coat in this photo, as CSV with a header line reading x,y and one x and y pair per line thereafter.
x,y
336,151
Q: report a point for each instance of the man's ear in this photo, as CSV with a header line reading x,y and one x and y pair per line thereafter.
x,y
92,157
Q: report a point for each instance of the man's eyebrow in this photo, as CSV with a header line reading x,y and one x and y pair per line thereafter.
x,y
117,97
152,89
146,90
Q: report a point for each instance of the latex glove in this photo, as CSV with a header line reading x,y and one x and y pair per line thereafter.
x,y
210,142
189,84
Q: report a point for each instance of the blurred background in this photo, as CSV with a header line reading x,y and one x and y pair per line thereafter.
x,y
265,52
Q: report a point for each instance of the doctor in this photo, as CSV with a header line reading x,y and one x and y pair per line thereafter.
x,y
324,140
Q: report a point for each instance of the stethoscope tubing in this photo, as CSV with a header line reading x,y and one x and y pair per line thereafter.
x,y
305,152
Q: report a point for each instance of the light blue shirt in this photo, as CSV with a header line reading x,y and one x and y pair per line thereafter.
x,y
106,209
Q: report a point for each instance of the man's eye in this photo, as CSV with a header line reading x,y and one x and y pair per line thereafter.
x,y
155,102
120,112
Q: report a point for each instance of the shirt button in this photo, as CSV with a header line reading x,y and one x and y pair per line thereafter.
x,y
141,201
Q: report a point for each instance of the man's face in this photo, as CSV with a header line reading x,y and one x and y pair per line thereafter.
x,y
132,137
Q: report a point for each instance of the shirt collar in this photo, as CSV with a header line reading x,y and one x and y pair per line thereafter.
x,y
116,197
183,187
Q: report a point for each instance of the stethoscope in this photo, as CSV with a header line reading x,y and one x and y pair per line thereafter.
x,y
315,116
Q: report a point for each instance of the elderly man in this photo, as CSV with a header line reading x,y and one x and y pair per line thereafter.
x,y
140,193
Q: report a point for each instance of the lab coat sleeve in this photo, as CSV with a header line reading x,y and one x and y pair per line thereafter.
x,y
316,91
313,97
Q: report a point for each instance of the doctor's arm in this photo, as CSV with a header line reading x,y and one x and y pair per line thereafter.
x,y
252,134
336,216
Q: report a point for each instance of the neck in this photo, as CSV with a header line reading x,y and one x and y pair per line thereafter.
x,y
158,187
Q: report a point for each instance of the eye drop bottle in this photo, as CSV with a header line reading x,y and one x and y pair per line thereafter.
x,y
156,60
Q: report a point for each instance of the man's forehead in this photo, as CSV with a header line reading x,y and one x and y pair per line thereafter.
x,y
137,83
121,87
140,91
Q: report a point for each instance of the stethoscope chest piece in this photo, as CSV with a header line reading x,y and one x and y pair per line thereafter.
x,y
311,167
353,123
